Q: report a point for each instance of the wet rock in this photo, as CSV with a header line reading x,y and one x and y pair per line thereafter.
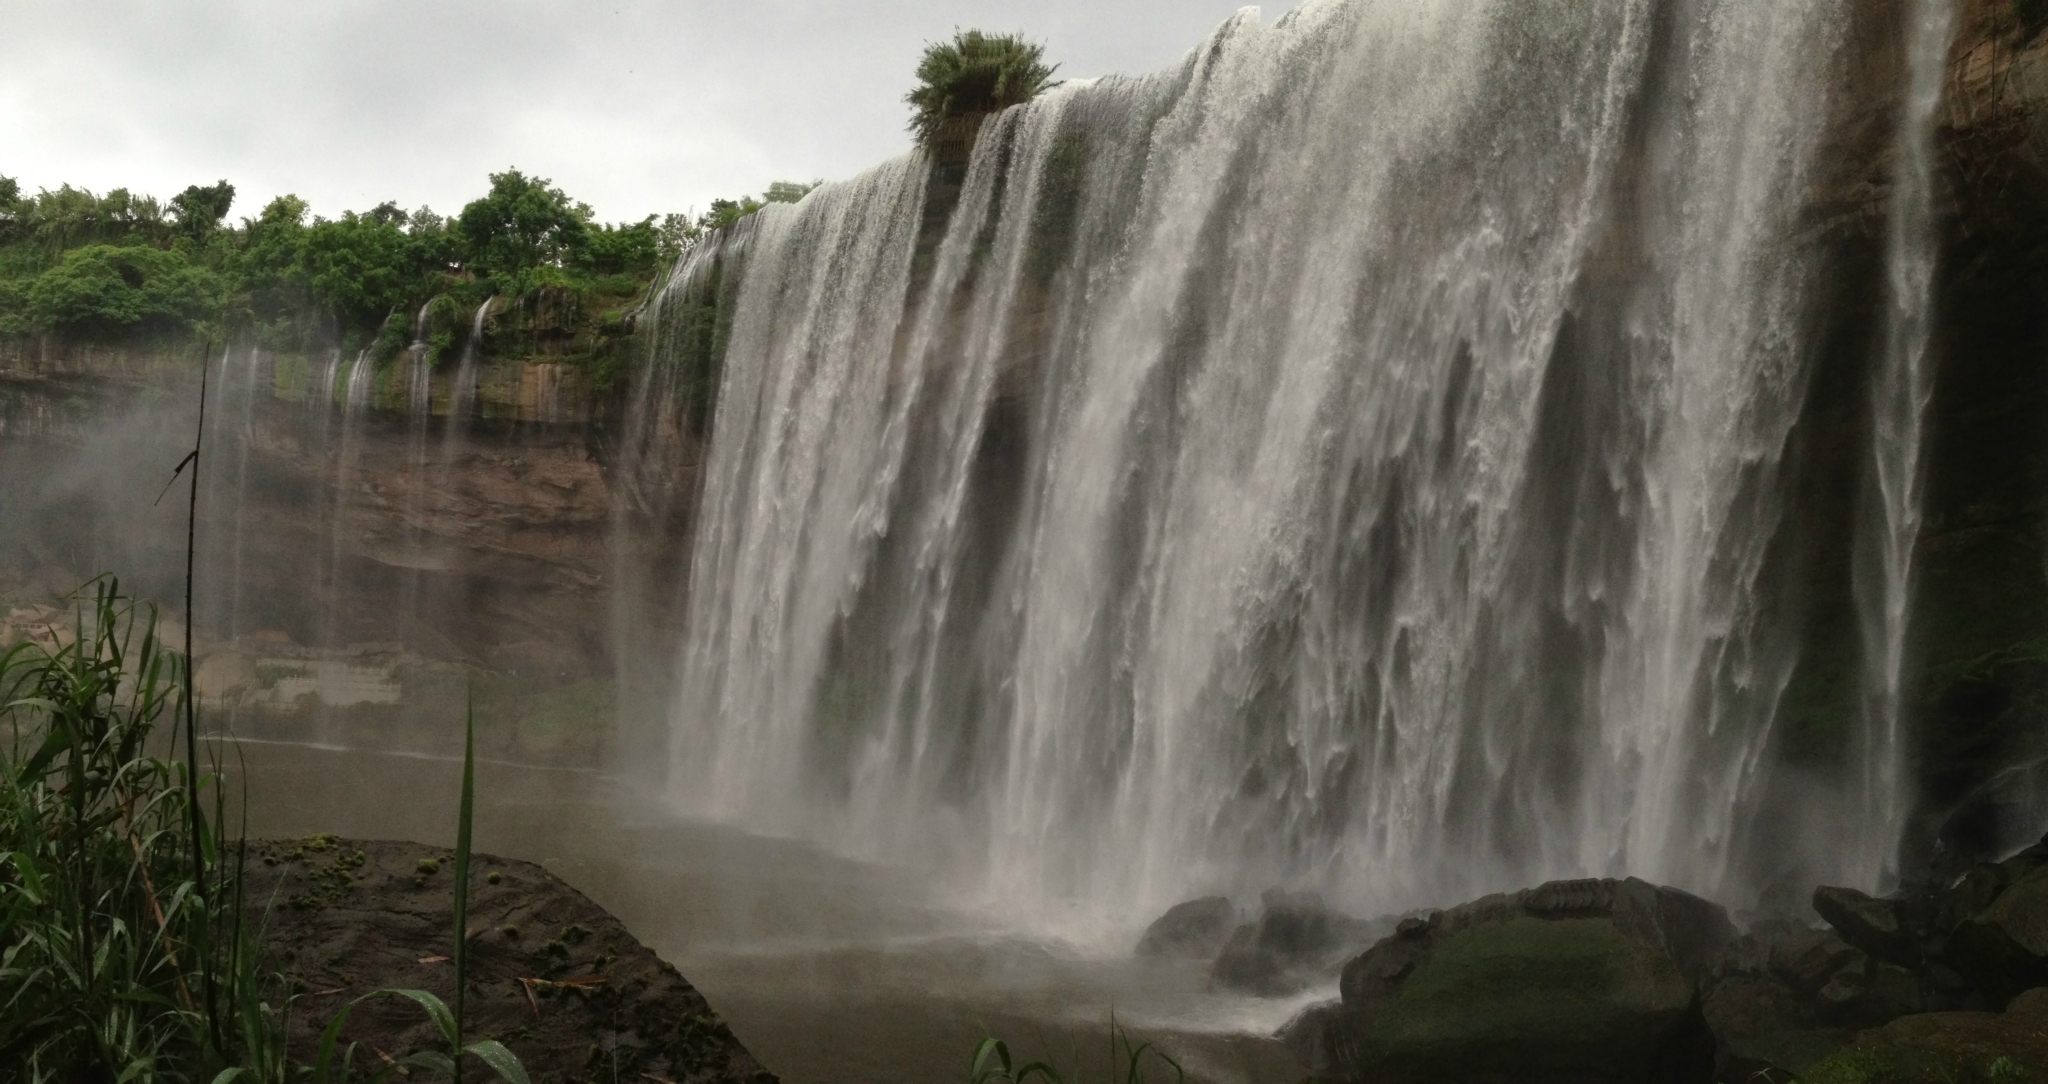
x,y
224,673
2004,950
1873,925
1942,1048
1808,959
2031,1005
1296,939
1766,1027
1195,930
1582,981
1750,1007
1971,894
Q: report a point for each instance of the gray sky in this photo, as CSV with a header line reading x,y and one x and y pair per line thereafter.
x,y
633,107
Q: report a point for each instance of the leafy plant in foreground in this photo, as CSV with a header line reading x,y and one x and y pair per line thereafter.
x,y
107,932
993,1063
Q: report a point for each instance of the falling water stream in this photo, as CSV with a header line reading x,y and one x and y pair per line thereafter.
x,y
1904,384
1350,459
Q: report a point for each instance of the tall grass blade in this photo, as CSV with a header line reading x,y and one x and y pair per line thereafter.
x,y
464,818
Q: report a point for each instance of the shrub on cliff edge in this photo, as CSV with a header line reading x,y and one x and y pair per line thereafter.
x,y
974,73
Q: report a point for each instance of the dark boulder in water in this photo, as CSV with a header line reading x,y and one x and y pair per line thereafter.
x,y
1581,981
1195,930
1296,940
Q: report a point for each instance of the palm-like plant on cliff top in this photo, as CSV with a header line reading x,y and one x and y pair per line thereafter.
x,y
974,73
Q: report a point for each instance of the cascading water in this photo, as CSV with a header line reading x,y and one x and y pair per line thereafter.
x,y
1349,459
1903,386
462,392
419,412
362,382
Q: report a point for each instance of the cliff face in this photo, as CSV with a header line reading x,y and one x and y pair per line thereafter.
x,y
340,514
1981,616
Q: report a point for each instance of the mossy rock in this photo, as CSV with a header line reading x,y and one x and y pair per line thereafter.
x,y
1943,1048
1528,996
1575,981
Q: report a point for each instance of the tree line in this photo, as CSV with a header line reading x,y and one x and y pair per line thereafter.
x,y
81,264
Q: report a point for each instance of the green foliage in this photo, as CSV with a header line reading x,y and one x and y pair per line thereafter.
x,y
522,224
974,73
108,933
103,289
788,191
198,210
993,1063
363,266
624,249
75,263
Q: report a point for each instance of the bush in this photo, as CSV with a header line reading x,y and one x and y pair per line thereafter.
x,y
974,73
105,289
120,961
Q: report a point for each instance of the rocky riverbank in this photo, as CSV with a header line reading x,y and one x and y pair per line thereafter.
x,y
1620,980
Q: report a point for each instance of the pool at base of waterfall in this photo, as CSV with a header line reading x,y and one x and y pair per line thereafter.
x,y
827,969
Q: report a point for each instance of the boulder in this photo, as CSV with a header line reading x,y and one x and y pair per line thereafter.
x,y
2004,949
1876,926
1296,940
1765,1030
2031,1005
1808,959
1941,1048
1195,930
1580,981
224,673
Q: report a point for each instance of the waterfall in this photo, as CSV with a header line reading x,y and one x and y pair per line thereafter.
x,y
1349,459
239,390
419,412
1903,386
356,397
462,394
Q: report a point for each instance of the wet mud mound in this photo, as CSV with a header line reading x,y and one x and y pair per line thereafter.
x,y
551,974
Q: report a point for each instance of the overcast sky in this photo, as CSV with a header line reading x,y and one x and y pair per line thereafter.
x,y
634,108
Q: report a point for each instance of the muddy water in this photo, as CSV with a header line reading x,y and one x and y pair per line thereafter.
x,y
828,969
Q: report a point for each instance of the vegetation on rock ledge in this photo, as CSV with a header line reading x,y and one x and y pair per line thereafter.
x,y
974,73
81,265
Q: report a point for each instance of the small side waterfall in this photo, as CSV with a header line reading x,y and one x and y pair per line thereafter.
x,y
419,412
462,391
1903,386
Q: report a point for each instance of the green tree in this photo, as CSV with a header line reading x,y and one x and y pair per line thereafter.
x,y
105,289
268,271
521,225
364,266
789,191
975,73
625,249
198,211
